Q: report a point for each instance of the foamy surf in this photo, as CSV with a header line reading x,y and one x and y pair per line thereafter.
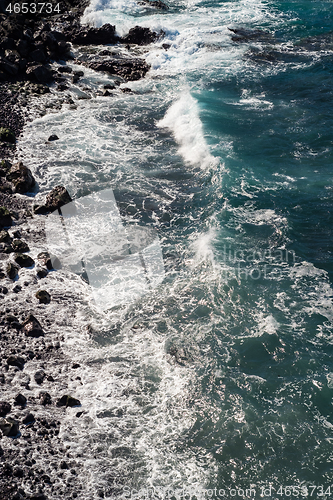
x,y
183,119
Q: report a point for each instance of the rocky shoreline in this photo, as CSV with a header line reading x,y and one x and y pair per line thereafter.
x,y
35,55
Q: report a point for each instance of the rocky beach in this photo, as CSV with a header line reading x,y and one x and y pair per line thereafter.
x,y
37,380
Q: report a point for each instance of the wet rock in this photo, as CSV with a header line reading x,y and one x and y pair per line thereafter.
x,y
23,260
37,56
68,401
4,408
18,472
5,218
5,166
38,496
45,259
6,248
40,73
157,4
53,137
84,35
20,246
39,376
32,327
141,36
9,427
41,273
65,69
8,67
12,321
17,361
246,35
21,177
17,288
23,47
4,236
129,69
45,398
20,400
11,271
43,296
28,419
7,135
58,197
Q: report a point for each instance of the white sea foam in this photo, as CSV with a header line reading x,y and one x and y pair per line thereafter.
x,y
183,119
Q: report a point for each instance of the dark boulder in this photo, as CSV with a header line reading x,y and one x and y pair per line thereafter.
x,y
20,400
20,246
45,259
39,376
40,73
4,408
242,35
129,69
21,177
8,67
41,273
5,165
68,401
28,419
157,4
43,296
4,237
6,248
23,47
9,427
53,137
58,197
84,35
45,398
37,56
11,271
141,36
32,327
5,218
17,361
64,69
23,260
7,135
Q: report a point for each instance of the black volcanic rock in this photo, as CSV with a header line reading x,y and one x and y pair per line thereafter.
x,y
58,197
32,327
11,270
23,260
4,408
21,177
5,218
129,69
84,35
68,401
40,73
141,36
9,427
17,361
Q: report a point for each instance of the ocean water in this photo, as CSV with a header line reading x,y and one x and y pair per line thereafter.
x,y
218,383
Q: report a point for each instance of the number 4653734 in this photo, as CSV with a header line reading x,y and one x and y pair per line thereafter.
x,y
33,8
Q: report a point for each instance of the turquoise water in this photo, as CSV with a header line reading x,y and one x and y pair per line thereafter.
x,y
229,144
